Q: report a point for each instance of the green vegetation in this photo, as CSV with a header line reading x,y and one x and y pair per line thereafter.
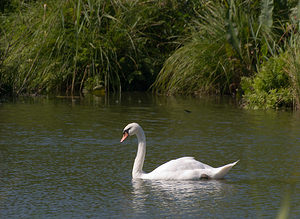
x,y
271,86
208,63
232,40
249,49
71,45
277,82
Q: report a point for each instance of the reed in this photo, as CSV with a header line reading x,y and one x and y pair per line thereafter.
x,y
227,43
70,45
277,84
198,65
292,68
177,47
230,40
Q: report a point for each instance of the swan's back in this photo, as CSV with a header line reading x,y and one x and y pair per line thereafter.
x,y
187,168
183,163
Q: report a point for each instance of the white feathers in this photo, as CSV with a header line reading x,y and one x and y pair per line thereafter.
x,y
185,168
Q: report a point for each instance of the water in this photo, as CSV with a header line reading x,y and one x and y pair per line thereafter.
x,y
61,158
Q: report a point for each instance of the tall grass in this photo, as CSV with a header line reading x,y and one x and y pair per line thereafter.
x,y
293,50
71,45
277,83
230,40
178,47
292,68
201,65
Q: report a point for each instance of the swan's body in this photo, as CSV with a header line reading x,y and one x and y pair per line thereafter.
x,y
185,168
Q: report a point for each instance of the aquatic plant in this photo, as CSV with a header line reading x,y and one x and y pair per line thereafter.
x,y
227,43
277,83
58,45
292,68
231,39
184,47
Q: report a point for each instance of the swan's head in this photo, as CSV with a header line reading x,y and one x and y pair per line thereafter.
x,y
130,129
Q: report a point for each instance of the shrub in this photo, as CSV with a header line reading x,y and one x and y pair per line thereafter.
x,y
270,87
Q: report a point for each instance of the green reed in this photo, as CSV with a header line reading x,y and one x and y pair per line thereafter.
x,y
177,47
71,45
228,42
277,84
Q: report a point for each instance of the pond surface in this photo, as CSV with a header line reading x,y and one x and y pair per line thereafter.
x,y
62,158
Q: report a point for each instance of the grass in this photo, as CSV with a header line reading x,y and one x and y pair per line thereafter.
x,y
71,45
227,43
277,84
239,48
175,47
201,65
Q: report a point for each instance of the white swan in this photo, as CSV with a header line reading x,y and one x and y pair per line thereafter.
x,y
185,168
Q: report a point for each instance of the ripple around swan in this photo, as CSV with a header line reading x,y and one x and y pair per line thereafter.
x,y
63,159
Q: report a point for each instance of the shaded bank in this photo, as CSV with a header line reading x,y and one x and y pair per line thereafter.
x,y
179,47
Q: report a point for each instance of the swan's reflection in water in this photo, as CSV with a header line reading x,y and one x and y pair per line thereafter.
x,y
179,196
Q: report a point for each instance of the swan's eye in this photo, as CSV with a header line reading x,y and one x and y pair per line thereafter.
x,y
126,131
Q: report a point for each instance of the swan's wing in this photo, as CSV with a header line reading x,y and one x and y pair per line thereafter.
x,y
187,168
180,164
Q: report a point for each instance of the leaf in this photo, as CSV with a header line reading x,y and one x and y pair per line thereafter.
x,y
265,17
298,15
231,29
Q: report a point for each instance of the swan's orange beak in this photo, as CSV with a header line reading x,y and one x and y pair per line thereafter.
x,y
125,135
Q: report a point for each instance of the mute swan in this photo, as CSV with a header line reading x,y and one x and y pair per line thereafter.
x,y
185,168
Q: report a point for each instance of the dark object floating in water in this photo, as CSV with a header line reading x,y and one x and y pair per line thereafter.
x,y
187,111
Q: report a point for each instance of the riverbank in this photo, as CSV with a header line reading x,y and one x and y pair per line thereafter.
x,y
246,49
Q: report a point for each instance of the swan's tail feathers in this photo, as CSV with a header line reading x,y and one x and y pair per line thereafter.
x,y
220,172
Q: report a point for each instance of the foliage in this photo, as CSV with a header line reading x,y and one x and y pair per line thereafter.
x,y
292,67
240,41
265,17
277,83
227,43
178,47
271,86
58,45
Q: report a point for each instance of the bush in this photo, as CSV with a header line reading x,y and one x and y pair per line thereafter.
x,y
271,87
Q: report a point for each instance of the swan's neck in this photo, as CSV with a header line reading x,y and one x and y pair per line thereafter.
x,y
140,156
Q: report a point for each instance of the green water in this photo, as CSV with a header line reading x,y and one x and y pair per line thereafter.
x,y
61,158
